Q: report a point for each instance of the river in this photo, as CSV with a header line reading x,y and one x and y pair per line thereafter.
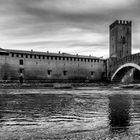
x,y
86,113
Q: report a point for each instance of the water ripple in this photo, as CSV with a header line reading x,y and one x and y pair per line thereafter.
x,y
82,113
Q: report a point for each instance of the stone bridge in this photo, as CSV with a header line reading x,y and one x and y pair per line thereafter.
x,y
129,65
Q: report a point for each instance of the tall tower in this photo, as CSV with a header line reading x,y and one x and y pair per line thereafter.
x,y
120,39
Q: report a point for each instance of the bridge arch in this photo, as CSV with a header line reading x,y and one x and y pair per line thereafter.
x,y
120,72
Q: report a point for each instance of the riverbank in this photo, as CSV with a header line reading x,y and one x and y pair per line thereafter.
x,y
49,85
67,85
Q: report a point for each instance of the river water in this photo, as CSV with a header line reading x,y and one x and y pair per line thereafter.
x,y
76,114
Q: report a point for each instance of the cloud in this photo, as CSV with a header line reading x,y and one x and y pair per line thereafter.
x,y
80,6
70,25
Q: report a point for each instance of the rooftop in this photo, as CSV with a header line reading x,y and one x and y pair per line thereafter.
x,y
47,53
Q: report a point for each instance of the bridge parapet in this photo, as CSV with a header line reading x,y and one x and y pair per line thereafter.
x,y
135,58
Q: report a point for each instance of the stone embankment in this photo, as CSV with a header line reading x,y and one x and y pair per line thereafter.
x,y
49,85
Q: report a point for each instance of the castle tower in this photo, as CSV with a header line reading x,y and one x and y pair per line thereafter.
x,y
120,39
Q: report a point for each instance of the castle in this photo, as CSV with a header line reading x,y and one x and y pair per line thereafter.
x,y
49,67
58,67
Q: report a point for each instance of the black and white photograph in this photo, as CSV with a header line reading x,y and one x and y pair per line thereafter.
x,y
69,70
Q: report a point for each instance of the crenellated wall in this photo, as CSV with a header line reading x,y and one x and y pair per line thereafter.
x,y
50,67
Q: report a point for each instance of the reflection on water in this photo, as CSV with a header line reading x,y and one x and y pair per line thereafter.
x,y
119,106
70,114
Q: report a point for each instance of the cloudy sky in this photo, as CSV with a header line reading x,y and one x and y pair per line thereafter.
x,y
72,26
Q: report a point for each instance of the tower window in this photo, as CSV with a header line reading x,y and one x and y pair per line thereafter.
x,y
21,62
123,39
21,70
92,73
49,72
64,72
127,31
